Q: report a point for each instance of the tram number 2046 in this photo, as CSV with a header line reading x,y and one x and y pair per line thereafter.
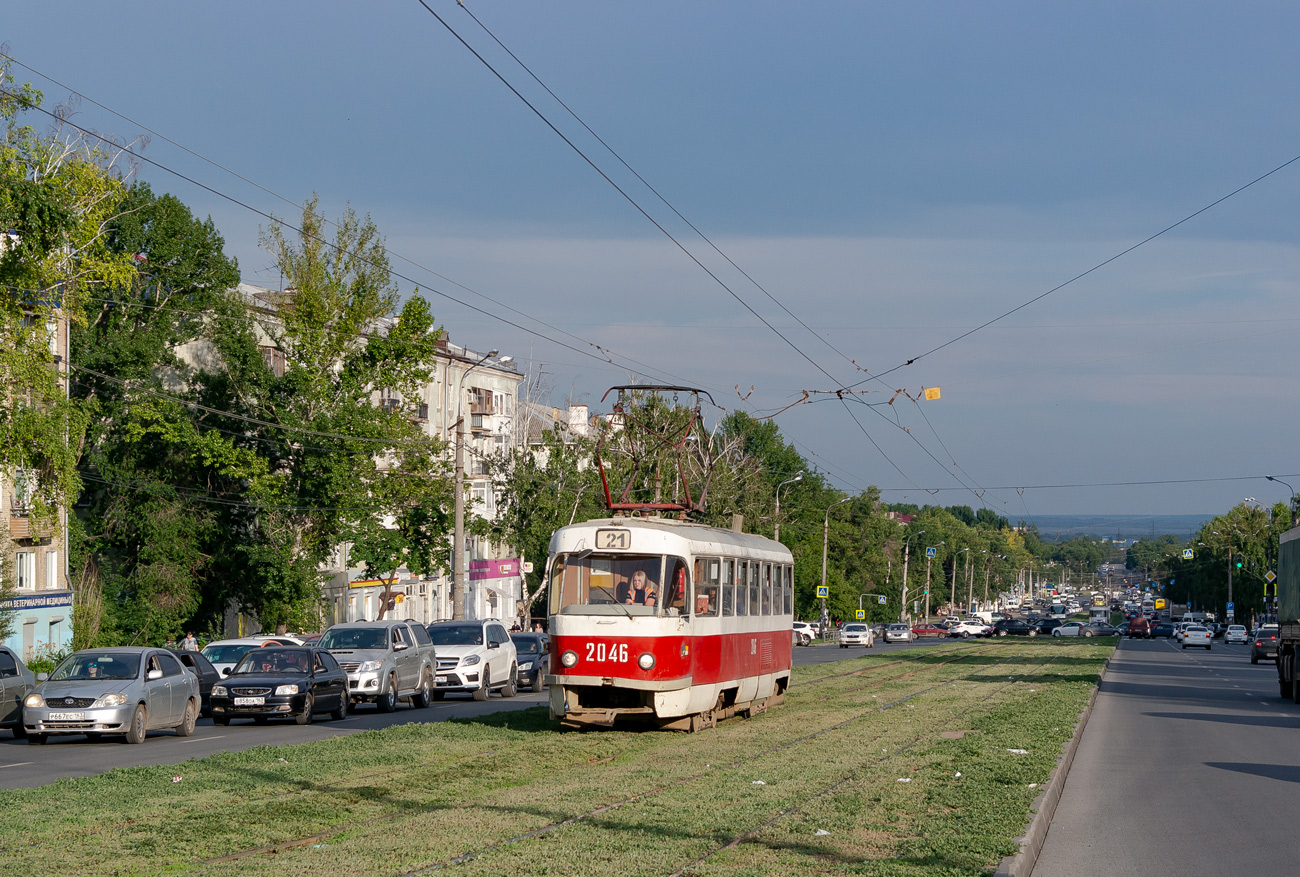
x,y
601,652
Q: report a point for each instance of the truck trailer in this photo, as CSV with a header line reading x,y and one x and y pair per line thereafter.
x,y
1288,613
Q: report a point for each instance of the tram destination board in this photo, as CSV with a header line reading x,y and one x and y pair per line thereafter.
x,y
613,539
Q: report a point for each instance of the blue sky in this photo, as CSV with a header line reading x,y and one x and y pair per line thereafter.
x,y
894,174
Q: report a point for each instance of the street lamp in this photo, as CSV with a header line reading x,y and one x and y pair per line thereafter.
x,y
1290,488
826,537
777,527
460,582
907,545
952,599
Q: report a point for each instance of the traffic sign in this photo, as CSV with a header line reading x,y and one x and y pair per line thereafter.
x,y
1270,576
1188,554
881,600
823,591
929,552
1229,607
860,614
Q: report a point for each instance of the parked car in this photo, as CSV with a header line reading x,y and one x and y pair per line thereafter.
x,y
1236,633
1162,629
282,682
225,654
966,629
531,652
120,690
16,682
206,673
1197,635
898,633
1263,643
856,634
804,633
386,661
1013,627
932,630
475,656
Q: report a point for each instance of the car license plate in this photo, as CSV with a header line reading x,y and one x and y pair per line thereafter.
x,y
250,701
67,717
442,680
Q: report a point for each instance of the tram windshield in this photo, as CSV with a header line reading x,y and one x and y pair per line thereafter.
x,y
622,584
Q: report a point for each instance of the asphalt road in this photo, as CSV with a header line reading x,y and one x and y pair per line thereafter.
x,y
23,766
1188,765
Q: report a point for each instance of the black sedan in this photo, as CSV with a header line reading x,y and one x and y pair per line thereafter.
x,y
532,651
1263,644
282,682
1045,626
202,668
1014,627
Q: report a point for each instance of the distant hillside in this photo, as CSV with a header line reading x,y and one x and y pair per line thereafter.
x,y
1118,527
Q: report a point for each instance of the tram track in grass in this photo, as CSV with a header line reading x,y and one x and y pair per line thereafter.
x,y
640,797
517,788
713,770
691,867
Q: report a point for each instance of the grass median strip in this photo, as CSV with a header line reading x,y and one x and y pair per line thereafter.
x,y
833,782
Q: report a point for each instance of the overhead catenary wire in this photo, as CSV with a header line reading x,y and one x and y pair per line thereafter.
x,y
1082,274
637,206
626,196
655,191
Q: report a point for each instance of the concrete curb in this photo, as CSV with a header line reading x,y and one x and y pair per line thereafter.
x,y
1031,842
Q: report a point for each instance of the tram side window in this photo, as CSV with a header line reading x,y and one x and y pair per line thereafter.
x,y
678,589
755,587
728,587
767,589
788,587
707,573
742,588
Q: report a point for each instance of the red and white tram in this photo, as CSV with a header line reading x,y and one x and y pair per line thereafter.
x,y
666,622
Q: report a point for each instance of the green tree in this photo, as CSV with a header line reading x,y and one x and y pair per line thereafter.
x,y
57,193
157,482
329,453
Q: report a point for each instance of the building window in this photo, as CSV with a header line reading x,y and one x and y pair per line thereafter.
x,y
274,360
51,570
26,570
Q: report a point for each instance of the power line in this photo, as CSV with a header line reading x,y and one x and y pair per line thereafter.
x,y
1094,268
655,191
298,206
716,279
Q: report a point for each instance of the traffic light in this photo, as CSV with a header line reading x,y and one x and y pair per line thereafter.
x,y
1270,589
1239,560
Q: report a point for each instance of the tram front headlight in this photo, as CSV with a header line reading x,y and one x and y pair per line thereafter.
x,y
569,658
646,661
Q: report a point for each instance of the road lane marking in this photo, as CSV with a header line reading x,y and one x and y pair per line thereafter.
x,y
18,764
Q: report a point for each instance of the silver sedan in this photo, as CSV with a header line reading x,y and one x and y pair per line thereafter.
x,y
128,691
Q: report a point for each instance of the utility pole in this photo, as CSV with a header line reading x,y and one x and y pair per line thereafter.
x,y
461,557
826,536
907,545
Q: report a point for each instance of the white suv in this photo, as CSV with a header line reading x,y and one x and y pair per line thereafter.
x,y
805,633
475,655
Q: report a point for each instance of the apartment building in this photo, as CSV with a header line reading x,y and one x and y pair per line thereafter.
x,y
33,556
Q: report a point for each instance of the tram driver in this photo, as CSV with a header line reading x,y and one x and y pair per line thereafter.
x,y
642,590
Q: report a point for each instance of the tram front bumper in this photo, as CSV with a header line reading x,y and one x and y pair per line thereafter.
x,y
597,701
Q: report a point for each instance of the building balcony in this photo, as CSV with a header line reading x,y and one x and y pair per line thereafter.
x,y
21,526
